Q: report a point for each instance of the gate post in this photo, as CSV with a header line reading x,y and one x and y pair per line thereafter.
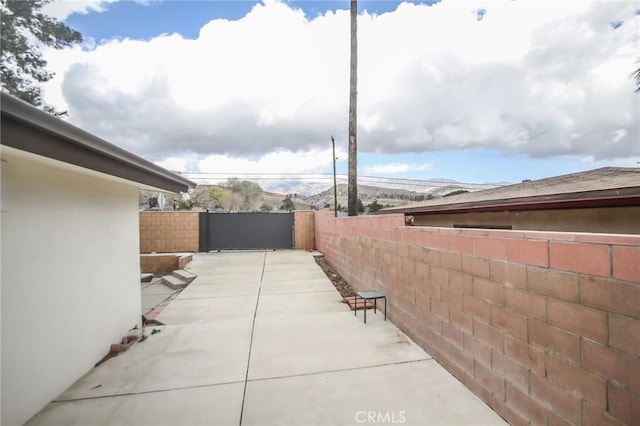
x,y
203,232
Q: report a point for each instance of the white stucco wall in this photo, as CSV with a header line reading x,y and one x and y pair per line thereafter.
x,y
70,277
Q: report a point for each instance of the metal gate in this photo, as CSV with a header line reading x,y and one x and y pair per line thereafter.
x,y
258,230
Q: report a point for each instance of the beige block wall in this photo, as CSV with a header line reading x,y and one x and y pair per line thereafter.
x,y
163,263
167,232
542,326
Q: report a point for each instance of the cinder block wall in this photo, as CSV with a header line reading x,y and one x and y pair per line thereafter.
x,y
163,263
543,326
167,232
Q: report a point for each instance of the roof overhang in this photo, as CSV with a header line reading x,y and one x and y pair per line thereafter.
x,y
31,130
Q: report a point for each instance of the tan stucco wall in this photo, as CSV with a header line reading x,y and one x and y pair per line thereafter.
x,y
615,220
70,277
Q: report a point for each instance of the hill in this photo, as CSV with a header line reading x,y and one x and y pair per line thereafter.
x,y
211,196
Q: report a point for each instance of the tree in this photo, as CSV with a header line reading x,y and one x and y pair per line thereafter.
x,y
184,205
456,192
360,206
214,198
374,206
247,192
22,67
287,204
352,189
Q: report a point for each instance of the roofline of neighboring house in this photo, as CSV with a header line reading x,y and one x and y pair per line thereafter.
x,y
23,127
620,197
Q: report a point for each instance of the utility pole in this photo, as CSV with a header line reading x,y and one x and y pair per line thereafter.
x,y
353,116
335,185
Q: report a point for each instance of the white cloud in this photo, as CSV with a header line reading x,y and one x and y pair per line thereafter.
x,y
274,163
61,9
396,168
175,164
535,78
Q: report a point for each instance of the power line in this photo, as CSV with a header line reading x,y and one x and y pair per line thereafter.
x,y
270,176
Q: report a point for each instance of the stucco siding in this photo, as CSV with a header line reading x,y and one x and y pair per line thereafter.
x,y
70,278
613,220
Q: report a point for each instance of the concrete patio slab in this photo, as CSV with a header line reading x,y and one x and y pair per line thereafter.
x,y
227,267
219,276
205,405
153,294
228,258
297,286
180,356
289,257
203,290
301,344
281,355
156,287
414,393
297,262
185,311
293,274
150,301
300,304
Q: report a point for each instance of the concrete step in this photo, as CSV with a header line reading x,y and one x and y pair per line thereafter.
x,y
173,282
185,276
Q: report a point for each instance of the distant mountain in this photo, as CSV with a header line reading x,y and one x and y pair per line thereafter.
x,y
388,197
310,187
316,195
295,187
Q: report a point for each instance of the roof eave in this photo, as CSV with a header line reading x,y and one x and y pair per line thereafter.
x,y
622,197
23,127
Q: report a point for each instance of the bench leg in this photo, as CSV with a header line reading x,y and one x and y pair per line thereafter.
x,y
355,305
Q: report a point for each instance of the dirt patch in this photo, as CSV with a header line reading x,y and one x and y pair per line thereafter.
x,y
339,283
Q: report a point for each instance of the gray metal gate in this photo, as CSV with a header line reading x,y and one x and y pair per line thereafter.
x,y
258,230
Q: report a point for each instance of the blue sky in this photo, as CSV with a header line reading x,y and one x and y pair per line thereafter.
x,y
145,20
476,91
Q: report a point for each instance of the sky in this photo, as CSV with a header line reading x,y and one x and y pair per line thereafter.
x,y
475,91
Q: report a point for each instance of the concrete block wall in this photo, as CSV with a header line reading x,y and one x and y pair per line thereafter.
x,y
167,232
543,326
163,263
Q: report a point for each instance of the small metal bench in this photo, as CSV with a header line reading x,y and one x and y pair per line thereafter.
x,y
370,295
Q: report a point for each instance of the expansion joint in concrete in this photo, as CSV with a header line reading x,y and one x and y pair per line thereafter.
x,y
253,326
341,370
